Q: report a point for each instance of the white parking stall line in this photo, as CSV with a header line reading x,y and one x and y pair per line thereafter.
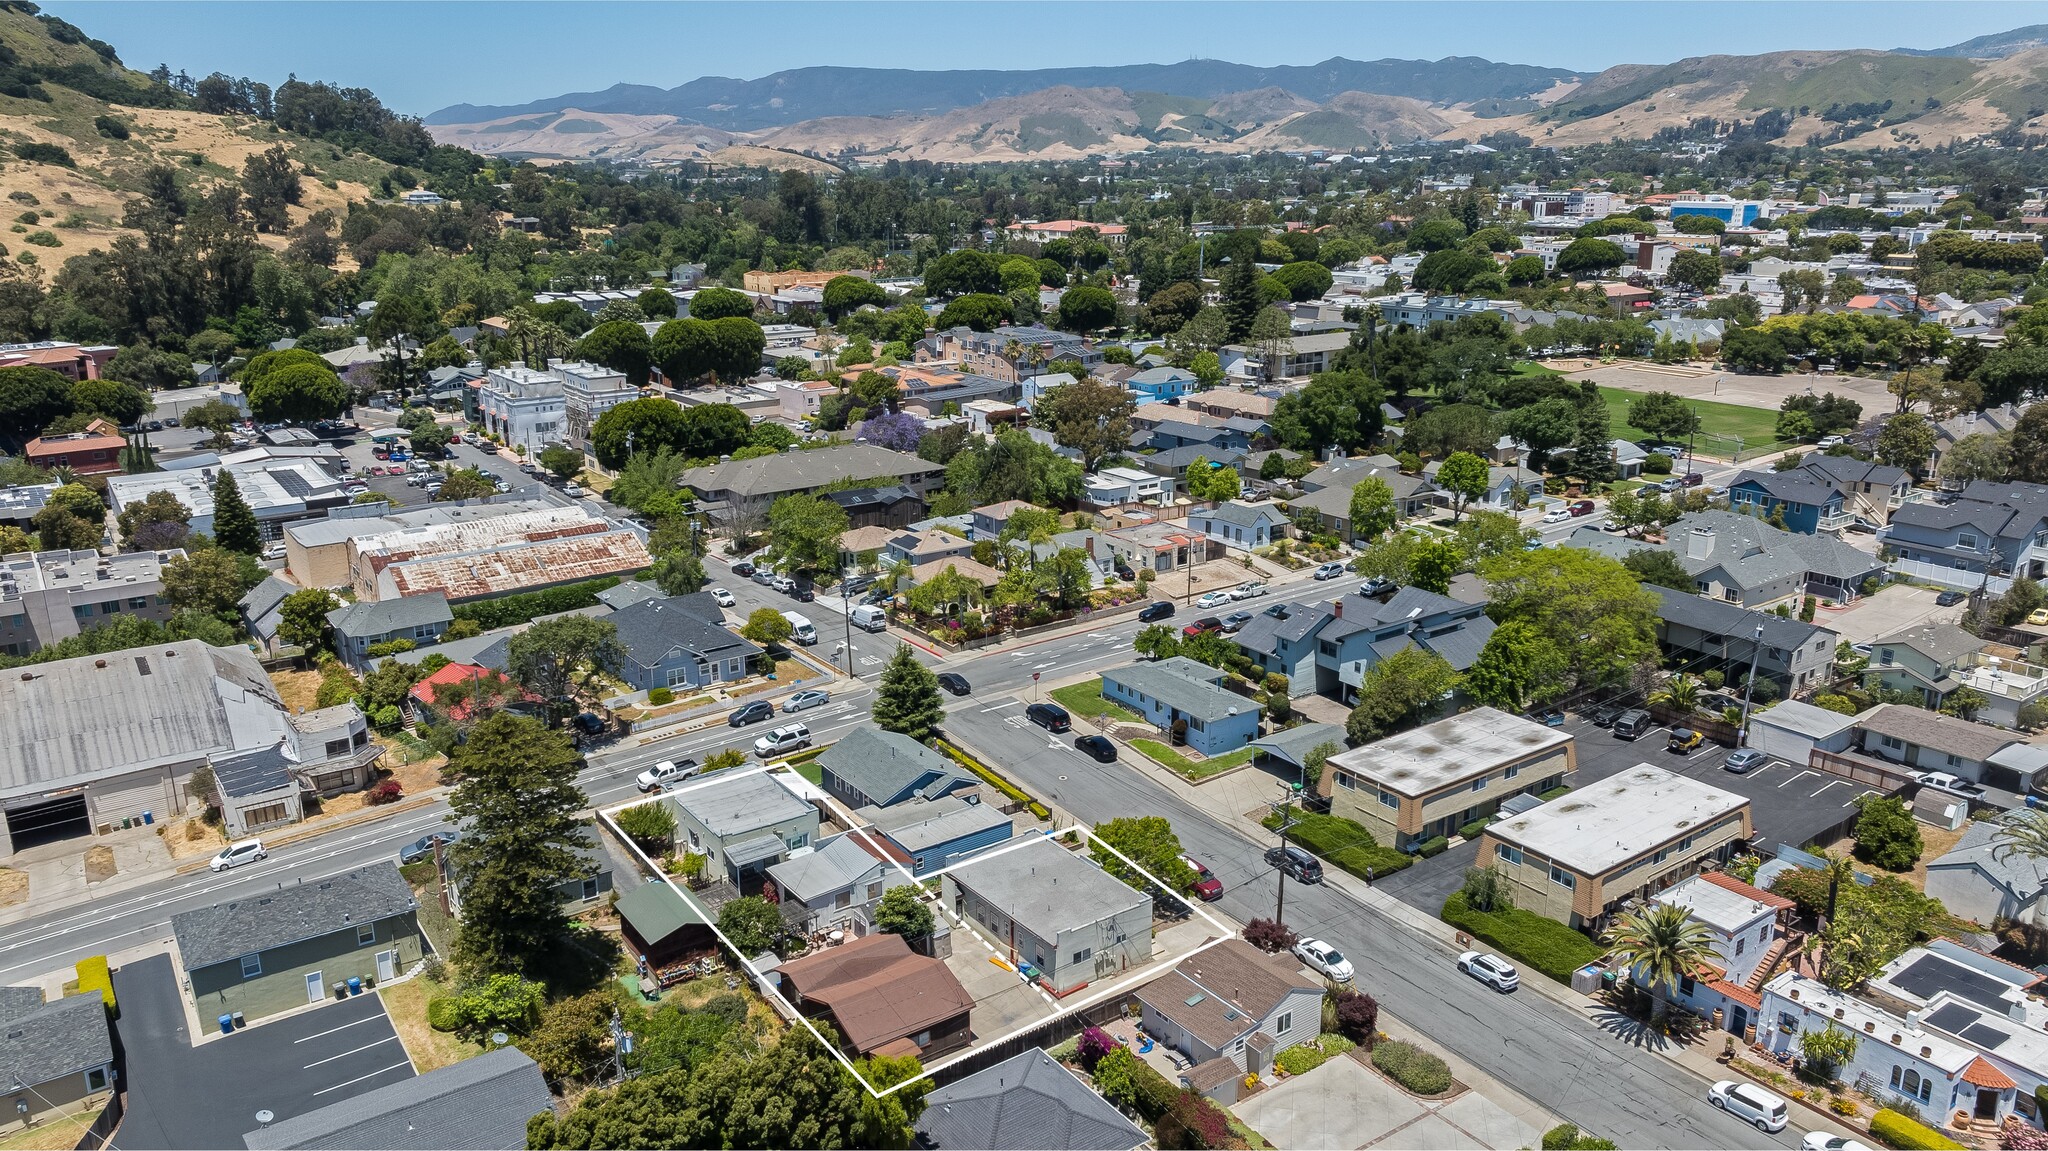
x,y
332,1030
1830,783
1797,778
365,1047
1858,798
405,1063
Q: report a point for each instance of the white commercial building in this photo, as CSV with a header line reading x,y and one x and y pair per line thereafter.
x,y
588,392
524,408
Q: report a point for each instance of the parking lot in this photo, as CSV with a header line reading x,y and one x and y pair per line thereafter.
x,y
181,1096
1889,612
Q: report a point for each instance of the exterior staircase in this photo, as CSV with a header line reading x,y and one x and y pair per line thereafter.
x,y
1768,966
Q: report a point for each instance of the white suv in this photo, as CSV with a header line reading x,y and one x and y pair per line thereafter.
x,y
1490,969
1749,1103
236,854
781,741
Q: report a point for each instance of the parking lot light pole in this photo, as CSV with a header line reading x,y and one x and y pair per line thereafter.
x,y
1756,649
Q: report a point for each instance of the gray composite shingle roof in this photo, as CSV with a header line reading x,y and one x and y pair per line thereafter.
x,y
1183,684
883,764
1294,743
927,823
1264,633
1246,514
1754,553
651,629
1944,643
1985,846
376,617
479,1104
266,920
1029,1102
51,1040
837,864
1792,487
1718,617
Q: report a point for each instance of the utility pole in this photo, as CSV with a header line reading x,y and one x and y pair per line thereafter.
x,y
622,1046
846,612
1756,651
1286,805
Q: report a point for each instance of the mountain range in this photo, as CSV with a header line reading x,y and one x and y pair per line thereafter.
x,y
1857,98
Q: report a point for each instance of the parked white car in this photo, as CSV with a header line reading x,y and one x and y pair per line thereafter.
x,y
723,597
1324,959
1213,599
1249,589
1749,1103
1556,516
238,853
667,773
1822,1141
1330,570
1490,969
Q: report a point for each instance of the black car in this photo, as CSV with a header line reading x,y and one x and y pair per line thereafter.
x,y
1605,716
1051,717
1949,599
954,682
1157,609
1097,748
803,593
423,847
754,712
590,723
743,568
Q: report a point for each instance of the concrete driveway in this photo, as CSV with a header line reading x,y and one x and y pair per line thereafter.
x,y
1343,1103
1892,610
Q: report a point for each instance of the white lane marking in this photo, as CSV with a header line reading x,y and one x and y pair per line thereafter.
x,y
343,1027
358,1079
346,1054
1797,778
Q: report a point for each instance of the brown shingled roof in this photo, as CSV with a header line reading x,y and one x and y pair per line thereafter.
x,y
1233,985
877,989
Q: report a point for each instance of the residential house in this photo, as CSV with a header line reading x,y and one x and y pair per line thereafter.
x,y
47,597
588,392
417,619
1710,631
1984,879
837,885
1041,904
1224,403
1186,699
325,752
59,1056
1299,358
479,1103
1990,534
1929,741
1937,660
869,767
1155,547
1745,561
1174,463
860,549
482,690
1046,231
880,997
679,642
100,741
261,611
919,548
1628,456
1871,492
94,451
1114,487
744,488
1804,502
1793,731
1242,524
988,521
1577,859
929,835
1215,439
1162,383
894,506
1431,781
1348,636
1744,930
271,951
744,820
1030,1100
1234,1002
1329,489
1507,487
1007,353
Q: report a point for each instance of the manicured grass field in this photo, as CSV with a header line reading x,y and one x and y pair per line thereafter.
x,y
1087,699
1718,421
1188,768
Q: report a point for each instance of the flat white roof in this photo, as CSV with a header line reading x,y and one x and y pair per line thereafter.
x,y
1603,825
1458,749
1719,908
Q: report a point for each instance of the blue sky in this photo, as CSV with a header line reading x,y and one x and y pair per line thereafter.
x,y
426,55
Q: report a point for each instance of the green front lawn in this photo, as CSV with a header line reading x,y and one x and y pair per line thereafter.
x,y
1525,937
1341,842
1087,699
1756,426
1192,769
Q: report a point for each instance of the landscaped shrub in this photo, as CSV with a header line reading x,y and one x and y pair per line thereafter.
x,y
1131,1083
1471,830
1300,1059
660,697
418,874
1342,843
2019,1135
1895,1130
441,1013
1657,464
1432,847
1358,1017
1568,1137
1412,1067
505,611
1269,936
386,791
1194,1123
1093,1045
989,776
1544,944
388,647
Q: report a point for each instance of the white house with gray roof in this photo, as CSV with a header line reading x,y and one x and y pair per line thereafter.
x,y
1241,524
1055,910
929,835
872,767
1983,879
1186,699
1745,561
745,819
837,884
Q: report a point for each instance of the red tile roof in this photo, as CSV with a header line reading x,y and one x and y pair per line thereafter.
x,y
1981,1073
1728,882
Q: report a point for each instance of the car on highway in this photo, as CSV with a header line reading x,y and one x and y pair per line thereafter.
x,y
1822,1141
1376,587
1943,781
1580,507
1324,959
1490,969
1096,747
423,847
1751,1104
237,854
1743,760
1556,516
667,773
723,597
1206,887
1330,570
1235,621
1249,589
805,700
1213,599
1684,740
1156,610
954,682
753,712
1206,623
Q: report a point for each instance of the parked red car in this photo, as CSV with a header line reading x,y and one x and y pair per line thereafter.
x,y
1206,623
1207,887
1580,507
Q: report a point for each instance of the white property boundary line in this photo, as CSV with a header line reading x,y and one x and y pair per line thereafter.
x,y
789,1010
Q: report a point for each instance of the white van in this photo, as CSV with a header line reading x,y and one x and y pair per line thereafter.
x,y
868,617
800,629
783,740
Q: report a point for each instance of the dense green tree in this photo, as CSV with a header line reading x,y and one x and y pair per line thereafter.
x,y
298,393
806,530
1373,510
59,530
1149,842
979,310
1335,410
1441,431
209,580
717,303
518,801
1907,441
1516,668
620,346
1886,833
1436,234
122,403
1700,271
1305,280
907,699
1403,687
1589,607
1450,270
1087,308
1663,416
636,426
1588,255
466,484
1241,300
1660,568
29,399
901,912
657,304
554,657
1092,417
1544,427
302,618
844,294
1465,477
766,627
1977,456
148,368
1432,564
234,522
963,273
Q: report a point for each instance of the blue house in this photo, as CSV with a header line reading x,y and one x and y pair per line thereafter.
x,y
678,642
875,768
1808,503
927,835
1171,691
1161,384
1184,434
1240,524
1326,648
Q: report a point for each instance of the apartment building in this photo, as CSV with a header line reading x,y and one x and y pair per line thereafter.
x,y
49,596
1432,780
523,407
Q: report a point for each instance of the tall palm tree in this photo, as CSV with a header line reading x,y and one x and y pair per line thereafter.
x,y
2023,833
1839,869
1661,945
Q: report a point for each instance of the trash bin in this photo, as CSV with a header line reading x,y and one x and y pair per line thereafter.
x,y
340,989
227,1024
355,985
148,818
239,1021
127,821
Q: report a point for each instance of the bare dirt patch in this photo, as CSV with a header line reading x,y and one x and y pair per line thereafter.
x,y
190,838
99,863
1935,842
13,886
413,777
298,690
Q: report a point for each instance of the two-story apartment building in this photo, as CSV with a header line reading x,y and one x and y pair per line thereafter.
x,y
1804,502
1575,859
1300,358
1116,486
1939,659
1870,491
1430,781
50,596
1795,654
1185,698
1326,648
94,451
1988,535
588,392
1161,383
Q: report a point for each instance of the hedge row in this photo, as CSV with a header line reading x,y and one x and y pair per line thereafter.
x,y
1895,1130
988,775
1525,937
1342,843
505,611
1412,1067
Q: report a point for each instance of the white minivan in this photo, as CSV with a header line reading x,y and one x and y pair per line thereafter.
x,y
868,617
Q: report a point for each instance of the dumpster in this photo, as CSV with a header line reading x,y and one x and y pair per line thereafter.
x,y
227,1024
355,985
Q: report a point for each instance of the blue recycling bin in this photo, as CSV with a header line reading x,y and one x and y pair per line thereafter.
x,y
148,818
355,985
227,1024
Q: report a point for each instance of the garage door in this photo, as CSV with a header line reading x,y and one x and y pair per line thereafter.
x,y
1790,746
53,819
